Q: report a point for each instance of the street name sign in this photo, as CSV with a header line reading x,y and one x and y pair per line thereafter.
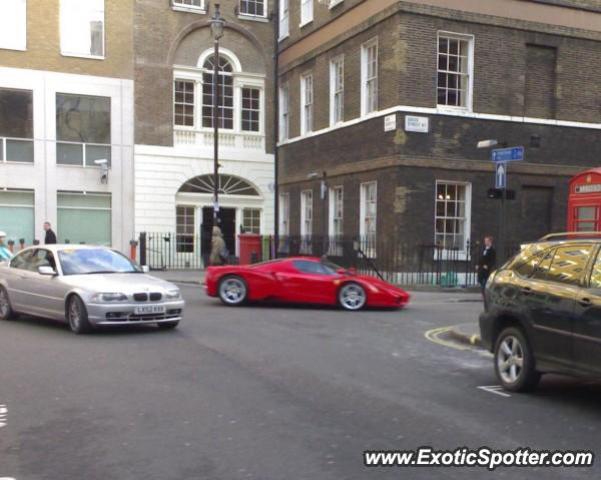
x,y
512,154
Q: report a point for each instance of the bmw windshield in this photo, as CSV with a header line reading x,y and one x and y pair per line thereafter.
x,y
87,261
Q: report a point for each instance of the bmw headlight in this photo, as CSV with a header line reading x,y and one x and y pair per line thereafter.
x,y
109,297
173,294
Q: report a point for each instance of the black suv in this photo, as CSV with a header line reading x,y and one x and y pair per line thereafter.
x,y
543,311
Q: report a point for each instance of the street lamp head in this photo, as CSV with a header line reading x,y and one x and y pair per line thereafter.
x,y
217,23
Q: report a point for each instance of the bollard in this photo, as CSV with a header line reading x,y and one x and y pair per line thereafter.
x,y
36,242
22,243
143,248
11,246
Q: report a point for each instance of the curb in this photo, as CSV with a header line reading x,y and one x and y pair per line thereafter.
x,y
473,339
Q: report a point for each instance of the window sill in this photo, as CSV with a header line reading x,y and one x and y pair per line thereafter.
x,y
86,167
253,18
281,38
304,24
334,3
17,49
454,110
188,9
83,55
16,162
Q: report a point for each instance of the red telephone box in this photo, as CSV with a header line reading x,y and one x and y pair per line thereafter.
x,y
584,202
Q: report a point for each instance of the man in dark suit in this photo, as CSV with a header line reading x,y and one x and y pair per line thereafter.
x,y
50,235
487,261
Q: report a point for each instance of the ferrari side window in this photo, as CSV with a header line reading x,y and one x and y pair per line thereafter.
x,y
314,268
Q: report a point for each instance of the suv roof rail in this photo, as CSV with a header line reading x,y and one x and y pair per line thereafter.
x,y
568,235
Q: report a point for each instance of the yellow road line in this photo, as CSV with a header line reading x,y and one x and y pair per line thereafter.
x,y
433,336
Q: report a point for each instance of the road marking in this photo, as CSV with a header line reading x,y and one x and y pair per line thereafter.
x,y
434,336
495,389
3,414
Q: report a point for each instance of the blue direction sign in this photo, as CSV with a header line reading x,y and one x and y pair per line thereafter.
x,y
501,175
512,154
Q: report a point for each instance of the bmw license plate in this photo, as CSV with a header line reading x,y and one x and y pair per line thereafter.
x,y
149,309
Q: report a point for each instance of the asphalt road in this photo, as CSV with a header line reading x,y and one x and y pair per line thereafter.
x,y
269,393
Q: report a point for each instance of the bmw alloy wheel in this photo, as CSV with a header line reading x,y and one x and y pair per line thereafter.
x,y
4,305
232,291
74,315
510,359
352,296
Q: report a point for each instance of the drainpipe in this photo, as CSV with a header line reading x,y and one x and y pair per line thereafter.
x,y
276,123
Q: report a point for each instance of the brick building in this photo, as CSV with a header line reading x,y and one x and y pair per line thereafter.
x,y
174,130
66,120
389,99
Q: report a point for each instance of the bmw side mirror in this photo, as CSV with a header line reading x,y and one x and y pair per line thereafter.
x,y
46,270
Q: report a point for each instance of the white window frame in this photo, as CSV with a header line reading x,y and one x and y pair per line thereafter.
x,y
252,15
366,108
306,213
332,204
178,225
333,3
65,28
370,247
470,39
306,102
335,245
181,7
194,105
19,41
306,12
462,253
284,215
284,108
336,90
284,13
240,80
363,207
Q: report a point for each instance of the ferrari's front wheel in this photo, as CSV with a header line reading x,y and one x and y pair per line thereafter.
x,y
352,296
233,291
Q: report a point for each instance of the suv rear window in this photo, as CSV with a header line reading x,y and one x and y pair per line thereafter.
x,y
569,264
525,262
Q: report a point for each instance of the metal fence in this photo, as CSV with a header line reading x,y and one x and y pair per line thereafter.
x,y
392,260
405,264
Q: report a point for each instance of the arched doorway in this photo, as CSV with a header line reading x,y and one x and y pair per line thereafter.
x,y
241,207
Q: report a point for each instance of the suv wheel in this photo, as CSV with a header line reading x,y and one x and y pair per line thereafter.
x,y
514,361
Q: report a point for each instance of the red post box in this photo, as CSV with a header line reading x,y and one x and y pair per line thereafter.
x,y
250,248
584,202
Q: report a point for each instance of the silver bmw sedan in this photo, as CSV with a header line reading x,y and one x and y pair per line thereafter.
x,y
86,286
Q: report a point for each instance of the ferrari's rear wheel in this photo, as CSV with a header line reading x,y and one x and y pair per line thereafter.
x,y
352,296
233,291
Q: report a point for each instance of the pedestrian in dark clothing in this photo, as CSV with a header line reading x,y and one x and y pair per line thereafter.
x,y
487,261
50,238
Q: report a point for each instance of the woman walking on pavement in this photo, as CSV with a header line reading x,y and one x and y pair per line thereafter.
x,y
219,253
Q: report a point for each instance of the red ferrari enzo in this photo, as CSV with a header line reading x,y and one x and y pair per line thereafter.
x,y
301,280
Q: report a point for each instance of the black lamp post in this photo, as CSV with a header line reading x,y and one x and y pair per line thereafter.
x,y
217,25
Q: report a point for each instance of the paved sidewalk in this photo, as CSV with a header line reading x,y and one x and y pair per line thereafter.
x,y
195,277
